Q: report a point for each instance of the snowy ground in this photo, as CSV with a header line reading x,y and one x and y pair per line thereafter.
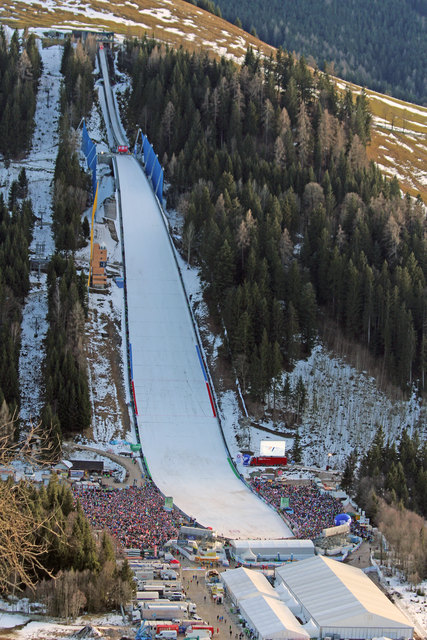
x,y
412,604
39,166
15,625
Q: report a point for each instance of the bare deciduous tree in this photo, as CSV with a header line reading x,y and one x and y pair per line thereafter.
x,y
280,152
405,532
21,546
167,121
303,134
189,234
244,232
267,117
357,154
284,122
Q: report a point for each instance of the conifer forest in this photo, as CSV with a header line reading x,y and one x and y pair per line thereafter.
x,y
286,216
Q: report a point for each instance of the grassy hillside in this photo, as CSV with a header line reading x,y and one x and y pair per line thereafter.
x,y
175,22
399,141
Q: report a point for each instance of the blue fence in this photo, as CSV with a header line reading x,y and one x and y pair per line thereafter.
x,y
89,149
153,168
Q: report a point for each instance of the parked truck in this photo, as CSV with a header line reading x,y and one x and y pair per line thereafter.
x,y
147,596
168,574
166,611
200,629
268,461
161,585
144,574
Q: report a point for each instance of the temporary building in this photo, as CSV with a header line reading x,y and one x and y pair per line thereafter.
x,y
311,629
63,466
273,549
342,600
96,466
270,618
244,583
284,594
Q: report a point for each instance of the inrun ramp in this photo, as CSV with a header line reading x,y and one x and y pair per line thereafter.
x,y
179,432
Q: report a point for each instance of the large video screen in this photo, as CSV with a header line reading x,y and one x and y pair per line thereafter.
x,y
272,448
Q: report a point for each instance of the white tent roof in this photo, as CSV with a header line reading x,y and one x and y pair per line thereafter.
x,y
283,592
273,546
285,595
312,629
244,583
272,619
336,594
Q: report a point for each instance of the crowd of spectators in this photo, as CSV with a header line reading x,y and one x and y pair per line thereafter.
x,y
135,516
312,510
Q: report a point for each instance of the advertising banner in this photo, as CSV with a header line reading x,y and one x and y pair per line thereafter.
x,y
168,503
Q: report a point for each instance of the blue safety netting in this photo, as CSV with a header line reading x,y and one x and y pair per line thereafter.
x,y
153,168
89,149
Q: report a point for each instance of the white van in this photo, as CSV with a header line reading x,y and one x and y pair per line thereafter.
x,y
168,574
169,634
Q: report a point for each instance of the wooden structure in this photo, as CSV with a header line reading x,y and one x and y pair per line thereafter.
x,y
99,262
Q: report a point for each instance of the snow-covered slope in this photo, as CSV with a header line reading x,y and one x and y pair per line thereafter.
x,y
179,432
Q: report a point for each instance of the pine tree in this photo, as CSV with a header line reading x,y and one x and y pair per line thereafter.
x,y
297,448
265,363
347,480
299,397
106,552
22,184
276,369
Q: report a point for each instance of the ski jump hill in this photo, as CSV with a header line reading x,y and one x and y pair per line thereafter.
x,y
178,427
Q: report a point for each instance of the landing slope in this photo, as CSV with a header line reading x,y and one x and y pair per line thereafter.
x,y
179,433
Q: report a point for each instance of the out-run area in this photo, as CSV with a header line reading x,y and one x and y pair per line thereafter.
x,y
135,516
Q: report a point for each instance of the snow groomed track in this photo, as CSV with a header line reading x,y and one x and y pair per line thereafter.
x,y
178,426
179,431
113,117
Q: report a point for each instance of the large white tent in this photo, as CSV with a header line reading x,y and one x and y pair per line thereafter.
x,y
272,549
270,618
341,599
243,583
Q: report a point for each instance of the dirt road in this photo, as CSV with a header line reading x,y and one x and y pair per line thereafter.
x,y
193,581
131,465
